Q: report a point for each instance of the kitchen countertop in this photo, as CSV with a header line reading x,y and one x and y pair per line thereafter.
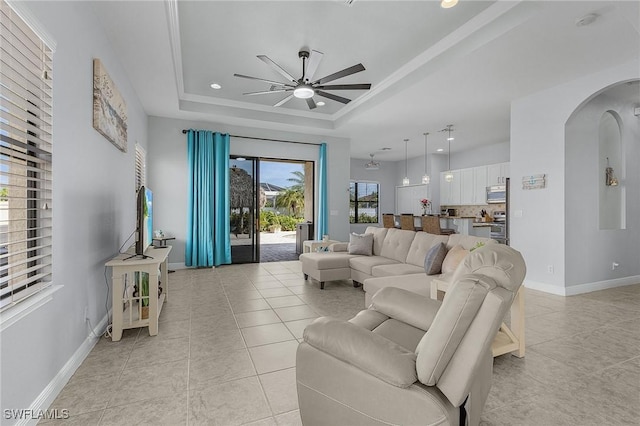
x,y
481,224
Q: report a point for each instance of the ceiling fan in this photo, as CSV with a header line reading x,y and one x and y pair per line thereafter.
x,y
305,87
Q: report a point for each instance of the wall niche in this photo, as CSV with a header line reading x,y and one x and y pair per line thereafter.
x,y
611,200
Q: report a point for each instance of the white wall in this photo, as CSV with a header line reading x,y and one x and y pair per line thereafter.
x,y
538,146
93,202
591,261
168,178
481,156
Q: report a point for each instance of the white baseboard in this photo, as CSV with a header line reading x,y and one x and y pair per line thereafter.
x,y
602,285
544,287
582,288
49,394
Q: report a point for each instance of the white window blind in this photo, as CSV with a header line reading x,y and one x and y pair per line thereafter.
x,y
25,160
141,167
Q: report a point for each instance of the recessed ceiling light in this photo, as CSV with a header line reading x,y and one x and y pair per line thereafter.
x,y
215,86
440,149
385,149
320,103
450,139
446,4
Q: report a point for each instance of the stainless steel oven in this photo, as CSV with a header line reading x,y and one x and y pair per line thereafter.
x,y
499,230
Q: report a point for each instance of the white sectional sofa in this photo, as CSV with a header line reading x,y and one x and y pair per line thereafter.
x,y
397,261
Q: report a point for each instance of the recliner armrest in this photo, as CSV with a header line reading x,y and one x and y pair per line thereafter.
x,y
406,306
339,247
364,349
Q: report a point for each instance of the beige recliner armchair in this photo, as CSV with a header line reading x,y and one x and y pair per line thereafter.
x,y
408,359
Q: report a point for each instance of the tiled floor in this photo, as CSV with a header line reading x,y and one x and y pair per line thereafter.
x,y
225,354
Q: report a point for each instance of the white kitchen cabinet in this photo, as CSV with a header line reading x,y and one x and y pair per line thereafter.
x,y
480,185
467,187
497,174
450,191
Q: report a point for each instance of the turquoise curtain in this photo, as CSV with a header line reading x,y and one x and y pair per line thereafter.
x,y
323,205
208,240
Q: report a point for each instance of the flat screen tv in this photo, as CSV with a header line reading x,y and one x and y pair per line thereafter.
x,y
144,220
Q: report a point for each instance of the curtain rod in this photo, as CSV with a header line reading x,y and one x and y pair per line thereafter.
x,y
184,131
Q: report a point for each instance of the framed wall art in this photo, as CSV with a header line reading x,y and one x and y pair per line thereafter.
x,y
109,108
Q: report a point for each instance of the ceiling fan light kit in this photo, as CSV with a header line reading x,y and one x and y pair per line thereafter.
x,y
305,87
446,4
372,165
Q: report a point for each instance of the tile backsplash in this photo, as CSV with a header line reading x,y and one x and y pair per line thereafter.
x,y
473,211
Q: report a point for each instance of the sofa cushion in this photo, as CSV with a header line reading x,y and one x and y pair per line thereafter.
x,y
397,243
379,235
434,258
421,244
416,283
454,257
326,260
395,269
361,244
365,263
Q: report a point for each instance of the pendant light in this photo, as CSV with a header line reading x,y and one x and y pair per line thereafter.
x,y
405,181
448,176
425,178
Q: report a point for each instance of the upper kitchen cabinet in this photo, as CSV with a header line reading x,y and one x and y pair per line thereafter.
x,y
450,191
473,184
497,174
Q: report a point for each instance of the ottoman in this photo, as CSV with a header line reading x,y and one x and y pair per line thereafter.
x,y
326,266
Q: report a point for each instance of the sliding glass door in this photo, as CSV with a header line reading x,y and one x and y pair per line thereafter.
x,y
244,203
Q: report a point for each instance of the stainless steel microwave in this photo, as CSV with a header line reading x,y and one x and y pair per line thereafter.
x,y
497,194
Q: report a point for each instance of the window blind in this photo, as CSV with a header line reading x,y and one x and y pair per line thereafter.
x,y
25,160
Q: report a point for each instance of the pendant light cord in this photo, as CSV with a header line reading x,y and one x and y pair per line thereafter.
x,y
406,158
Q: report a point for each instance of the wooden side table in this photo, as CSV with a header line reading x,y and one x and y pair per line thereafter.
x,y
508,339
311,246
127,308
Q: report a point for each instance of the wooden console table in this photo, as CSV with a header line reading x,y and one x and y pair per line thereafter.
x,y
127,307
508,339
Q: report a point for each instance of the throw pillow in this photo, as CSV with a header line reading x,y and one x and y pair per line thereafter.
x,y
360,244
453,258
433,259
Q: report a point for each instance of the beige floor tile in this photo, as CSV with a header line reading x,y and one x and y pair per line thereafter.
x,y
167,330
273,357
85,395
288,275
221,367
141,383
231,403
293,313
291,418
265,285
209,345
249,305
269,421
237,296
265,334
275,292
250,319
297,327
284,301
280,388
157,351
171,312
168,411
294,282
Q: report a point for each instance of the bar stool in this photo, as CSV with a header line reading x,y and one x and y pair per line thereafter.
x,y
431,225
406,222
388,221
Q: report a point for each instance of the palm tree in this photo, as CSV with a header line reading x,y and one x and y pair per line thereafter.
x,y
292,199
298,180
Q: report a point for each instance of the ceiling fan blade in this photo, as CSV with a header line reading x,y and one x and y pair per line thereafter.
x,y
285,100
345,72
312,65
265,92
265,80
333,97
277,67
311,103
345,87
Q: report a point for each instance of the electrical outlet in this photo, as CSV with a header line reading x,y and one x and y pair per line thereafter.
x,y
614,265
86,313
550,269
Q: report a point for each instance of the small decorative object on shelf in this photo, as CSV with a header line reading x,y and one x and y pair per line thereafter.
x,y
426,206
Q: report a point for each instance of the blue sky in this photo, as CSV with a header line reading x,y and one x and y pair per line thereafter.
x,y
273,172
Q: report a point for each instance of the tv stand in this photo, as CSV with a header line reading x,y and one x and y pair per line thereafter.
x,y
131,316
